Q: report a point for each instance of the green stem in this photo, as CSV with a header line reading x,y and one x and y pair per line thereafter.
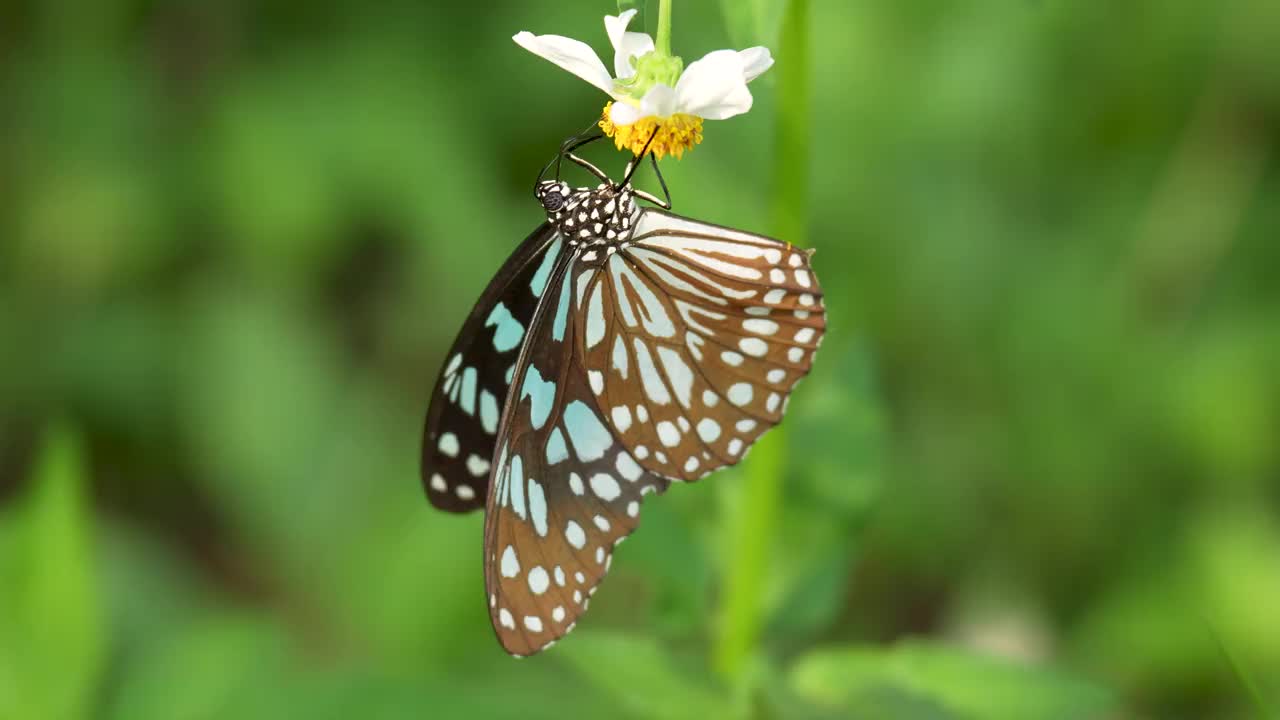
x,y
662,43
752,529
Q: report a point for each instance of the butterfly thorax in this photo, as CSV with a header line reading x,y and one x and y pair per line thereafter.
x,y
599,220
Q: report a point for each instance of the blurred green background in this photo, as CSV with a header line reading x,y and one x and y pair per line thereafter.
x,y
1034,474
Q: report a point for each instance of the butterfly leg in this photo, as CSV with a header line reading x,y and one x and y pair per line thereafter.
x,y
635,162
664,204
589,167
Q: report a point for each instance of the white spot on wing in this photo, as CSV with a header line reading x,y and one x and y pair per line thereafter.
x,y
605,487
488,412
477,465
679,373
589,436
467,400
449,444
541,396
620,356
508,333
740,393
557,451
595,317
708,430
539,282
538,507
510,564
539,581
516,484
452,367
574,534
653,385
760,326
562,313
668,434
627,467
621,418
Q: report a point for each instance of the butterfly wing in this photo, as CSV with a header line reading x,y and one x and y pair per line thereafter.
x,y
565,491
466,405
699,333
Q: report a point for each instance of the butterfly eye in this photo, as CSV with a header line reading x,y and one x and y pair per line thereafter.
x,y
552,200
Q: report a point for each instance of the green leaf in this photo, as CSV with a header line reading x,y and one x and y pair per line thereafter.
x,y
52,634
642,676
753,22
948,682
213,661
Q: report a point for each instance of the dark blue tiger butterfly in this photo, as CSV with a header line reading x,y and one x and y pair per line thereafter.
x,y
620,348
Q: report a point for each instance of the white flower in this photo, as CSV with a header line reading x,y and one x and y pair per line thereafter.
x,y
649,91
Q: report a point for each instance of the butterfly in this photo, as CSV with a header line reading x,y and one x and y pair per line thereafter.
x,y
619,349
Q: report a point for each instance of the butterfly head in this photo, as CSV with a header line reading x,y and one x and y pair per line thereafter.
x,y
554,195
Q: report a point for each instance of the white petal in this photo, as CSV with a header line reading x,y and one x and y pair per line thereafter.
x,y
714,87
633,46
659,101
755,61
626,45
624,113
573,55
615,25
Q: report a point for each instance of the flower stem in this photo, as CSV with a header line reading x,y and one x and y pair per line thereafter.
x,y
752,528
662,44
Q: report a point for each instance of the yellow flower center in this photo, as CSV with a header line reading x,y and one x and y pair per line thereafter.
x,y
675,134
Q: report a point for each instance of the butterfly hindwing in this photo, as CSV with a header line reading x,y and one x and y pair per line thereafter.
x,y
697,335
469,395
565,490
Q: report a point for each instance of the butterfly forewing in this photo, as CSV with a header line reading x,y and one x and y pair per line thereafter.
x,y
467,402
695,336
565,490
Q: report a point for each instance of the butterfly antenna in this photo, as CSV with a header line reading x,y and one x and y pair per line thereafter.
x,y
575,141
570,144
